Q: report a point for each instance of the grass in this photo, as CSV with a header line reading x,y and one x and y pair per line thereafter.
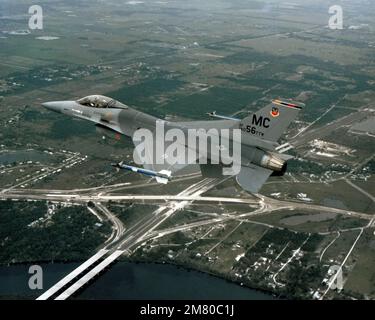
x,y
362,277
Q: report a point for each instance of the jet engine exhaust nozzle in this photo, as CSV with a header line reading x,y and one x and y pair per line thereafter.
x,y
273,163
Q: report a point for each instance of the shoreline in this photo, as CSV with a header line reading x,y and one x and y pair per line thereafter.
x,y
217,276
228,280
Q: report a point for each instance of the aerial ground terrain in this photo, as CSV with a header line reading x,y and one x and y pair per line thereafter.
x,y
179,60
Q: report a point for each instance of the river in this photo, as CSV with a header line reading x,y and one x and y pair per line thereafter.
x,y
126,280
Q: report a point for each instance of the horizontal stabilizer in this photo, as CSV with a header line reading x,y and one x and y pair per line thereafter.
x,y
284,156
252,178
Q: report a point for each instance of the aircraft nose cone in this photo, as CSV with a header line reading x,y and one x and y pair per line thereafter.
x,y
53,105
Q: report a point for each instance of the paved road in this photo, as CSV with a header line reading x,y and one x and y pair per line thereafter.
x,y
118,226
323,131
106,198
124,241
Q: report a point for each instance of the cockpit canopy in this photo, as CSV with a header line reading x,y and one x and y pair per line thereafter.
x,y
98,101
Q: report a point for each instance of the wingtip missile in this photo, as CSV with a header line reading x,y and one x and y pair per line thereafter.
x,y
163,176
213,114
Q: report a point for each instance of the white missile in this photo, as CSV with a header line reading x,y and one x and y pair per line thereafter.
x,y
163,176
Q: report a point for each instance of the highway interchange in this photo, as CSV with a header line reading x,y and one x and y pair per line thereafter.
x,y
124,240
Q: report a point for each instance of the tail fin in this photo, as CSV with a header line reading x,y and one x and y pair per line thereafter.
x,y
270,122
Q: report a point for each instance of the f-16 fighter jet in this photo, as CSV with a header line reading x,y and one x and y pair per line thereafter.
x,y
251,152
